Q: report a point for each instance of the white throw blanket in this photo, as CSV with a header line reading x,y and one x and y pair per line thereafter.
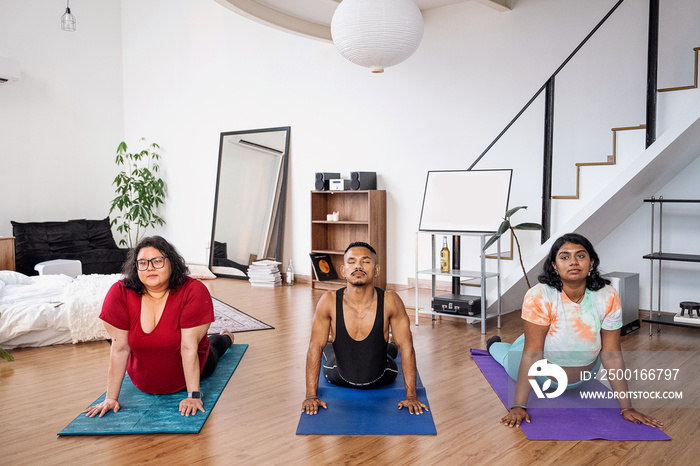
x,y
83,300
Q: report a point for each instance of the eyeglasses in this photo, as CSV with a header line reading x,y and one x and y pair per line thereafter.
x,y
156,262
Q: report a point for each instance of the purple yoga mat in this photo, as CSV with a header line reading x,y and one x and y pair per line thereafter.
x,y
568,417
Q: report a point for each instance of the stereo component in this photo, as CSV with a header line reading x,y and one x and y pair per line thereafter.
x,y
322,180
363,180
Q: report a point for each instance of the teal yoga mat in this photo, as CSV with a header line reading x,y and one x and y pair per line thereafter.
x,y
142,413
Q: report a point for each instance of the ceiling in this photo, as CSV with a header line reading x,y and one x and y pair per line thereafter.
x,y
312,18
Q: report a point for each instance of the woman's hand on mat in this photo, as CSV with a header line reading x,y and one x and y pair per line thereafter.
x,y
191,406
414,405
635,416
311,405
515,417
109,404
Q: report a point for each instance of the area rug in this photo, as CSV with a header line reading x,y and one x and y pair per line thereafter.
x,y
142,413
229,318
567,417
353,411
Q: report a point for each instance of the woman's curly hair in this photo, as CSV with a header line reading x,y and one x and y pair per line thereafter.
x,y
179,270
549,276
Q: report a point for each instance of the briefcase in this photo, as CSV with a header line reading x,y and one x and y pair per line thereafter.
x,y
457,304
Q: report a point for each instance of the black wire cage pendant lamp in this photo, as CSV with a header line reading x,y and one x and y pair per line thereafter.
x,y
68,20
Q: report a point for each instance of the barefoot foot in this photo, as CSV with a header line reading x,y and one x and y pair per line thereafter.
x,y
230,335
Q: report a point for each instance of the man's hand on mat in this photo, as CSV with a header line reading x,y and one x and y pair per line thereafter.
x,y
103,408
635,416
191,406
515,417
414,405
311,404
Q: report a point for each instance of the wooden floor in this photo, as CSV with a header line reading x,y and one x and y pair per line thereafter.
x,y
255,419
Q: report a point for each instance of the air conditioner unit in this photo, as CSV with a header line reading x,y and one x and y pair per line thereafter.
x,y
9,70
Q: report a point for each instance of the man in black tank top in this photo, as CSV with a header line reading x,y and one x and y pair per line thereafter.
x,y
351,329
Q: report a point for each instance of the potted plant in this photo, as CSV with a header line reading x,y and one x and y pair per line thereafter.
x,y
5,355
140,191
506,226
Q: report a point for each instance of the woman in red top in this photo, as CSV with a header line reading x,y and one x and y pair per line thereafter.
x,y
157,318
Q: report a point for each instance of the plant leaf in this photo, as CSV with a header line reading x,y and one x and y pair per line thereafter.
x,y
6,356
528,226
490,242
510,212
505,225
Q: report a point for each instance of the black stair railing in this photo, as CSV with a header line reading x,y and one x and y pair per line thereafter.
x,y
548,87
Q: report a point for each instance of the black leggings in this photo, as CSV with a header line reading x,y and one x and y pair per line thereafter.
x,y
331,374
218,344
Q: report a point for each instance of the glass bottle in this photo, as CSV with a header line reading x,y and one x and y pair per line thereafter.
x,y
444,257
290,273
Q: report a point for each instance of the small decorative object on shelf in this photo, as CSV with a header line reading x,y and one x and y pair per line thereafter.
x,y
323,266
290,273
444,257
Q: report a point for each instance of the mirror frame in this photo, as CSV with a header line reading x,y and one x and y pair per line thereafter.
x,y
276,232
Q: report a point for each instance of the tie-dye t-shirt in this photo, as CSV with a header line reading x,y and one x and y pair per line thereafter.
x,y
573,338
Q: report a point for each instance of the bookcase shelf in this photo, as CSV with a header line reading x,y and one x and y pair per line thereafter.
x,y
362,218
656,317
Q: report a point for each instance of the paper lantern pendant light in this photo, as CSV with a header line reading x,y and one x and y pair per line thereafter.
x,y
377,33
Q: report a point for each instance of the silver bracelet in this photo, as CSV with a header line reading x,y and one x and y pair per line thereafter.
x,y
310,397
519,406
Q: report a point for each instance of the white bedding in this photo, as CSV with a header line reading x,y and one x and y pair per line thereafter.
x,y
51,309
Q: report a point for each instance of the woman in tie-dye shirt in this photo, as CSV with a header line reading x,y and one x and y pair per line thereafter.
x,y
571,317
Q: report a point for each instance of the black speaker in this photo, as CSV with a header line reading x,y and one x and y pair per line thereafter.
x,y
321,183
363,180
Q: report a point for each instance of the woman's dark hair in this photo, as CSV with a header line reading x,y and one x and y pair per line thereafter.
x,y
179,270
549,276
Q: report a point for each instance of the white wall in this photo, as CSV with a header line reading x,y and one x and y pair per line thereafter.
x,y
60,124
192,69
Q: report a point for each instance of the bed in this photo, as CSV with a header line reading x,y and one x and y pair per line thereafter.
x,y
51,309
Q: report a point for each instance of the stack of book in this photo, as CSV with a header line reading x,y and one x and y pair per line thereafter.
x,y
264,273
689,319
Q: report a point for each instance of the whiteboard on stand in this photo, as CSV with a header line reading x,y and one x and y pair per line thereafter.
x,y
465,201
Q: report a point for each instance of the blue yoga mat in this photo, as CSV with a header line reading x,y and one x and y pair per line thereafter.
x,y
142,413
355,411
567,417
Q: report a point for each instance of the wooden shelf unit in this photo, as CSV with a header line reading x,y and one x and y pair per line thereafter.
x,y
362,218
7,253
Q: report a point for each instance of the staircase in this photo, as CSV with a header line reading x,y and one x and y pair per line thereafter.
x,y
643,174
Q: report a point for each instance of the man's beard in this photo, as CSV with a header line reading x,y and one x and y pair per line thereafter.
x,y
359,280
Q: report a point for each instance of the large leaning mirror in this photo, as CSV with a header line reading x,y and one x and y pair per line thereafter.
x,y
251,184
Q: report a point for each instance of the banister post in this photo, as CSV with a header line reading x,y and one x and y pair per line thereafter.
x,y
547,162
652,66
